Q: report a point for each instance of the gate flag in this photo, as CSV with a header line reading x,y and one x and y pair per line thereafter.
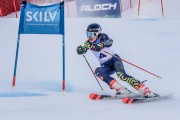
x,y
98,8
41,19
36,19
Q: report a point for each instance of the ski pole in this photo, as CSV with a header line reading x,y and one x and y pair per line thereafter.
x,y
92,71
134,65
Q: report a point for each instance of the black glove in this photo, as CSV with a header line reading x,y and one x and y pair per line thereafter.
x,y
80,50
98,47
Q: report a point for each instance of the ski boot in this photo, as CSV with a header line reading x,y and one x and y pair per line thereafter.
x,y
147,93
120,89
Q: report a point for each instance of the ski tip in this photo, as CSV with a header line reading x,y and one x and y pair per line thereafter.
x,y
91,96
127,100
94,96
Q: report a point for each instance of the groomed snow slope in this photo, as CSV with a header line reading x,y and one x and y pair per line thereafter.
x,y
150,43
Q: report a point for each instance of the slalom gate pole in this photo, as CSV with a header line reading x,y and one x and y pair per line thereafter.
x,y
63,56
121,6
0,12
139,4
162,8
16,60
134,65
130,4
15,8
92,72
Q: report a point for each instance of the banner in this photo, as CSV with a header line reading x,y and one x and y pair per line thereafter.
x,y
98,8
41,19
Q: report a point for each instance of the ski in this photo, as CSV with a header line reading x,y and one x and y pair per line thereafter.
x,y
94,96
129,98
143,100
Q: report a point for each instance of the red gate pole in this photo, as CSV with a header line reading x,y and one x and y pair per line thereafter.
x,y
162,8
15,8
0,12
139,3
130,3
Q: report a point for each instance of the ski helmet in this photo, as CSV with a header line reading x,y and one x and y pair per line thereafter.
x,y
93,30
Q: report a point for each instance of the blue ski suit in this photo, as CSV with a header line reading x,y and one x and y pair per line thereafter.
x,y
109,64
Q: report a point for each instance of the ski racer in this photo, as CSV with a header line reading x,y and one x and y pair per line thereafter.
x,y
99,43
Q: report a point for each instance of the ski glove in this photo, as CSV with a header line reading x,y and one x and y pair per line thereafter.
x,y
87,45
98,47
108,43
80,50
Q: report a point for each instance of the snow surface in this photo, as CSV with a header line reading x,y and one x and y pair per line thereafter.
x,y
151,43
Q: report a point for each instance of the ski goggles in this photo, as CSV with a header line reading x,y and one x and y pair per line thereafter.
x,y
91,34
